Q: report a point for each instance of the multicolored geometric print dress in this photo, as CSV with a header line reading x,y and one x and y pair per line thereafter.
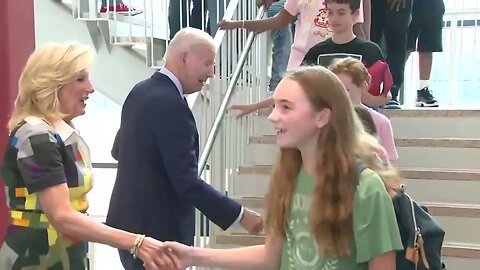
x,y
39,156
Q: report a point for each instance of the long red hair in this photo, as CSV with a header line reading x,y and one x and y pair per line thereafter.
x,y
340,143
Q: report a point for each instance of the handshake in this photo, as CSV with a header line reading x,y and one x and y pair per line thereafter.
x,y
158,255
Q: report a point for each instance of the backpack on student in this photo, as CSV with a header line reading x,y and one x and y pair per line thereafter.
x,y
382,80
422,237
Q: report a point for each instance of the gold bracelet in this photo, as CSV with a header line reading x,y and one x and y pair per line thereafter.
x,y
137,239
136,244
135,255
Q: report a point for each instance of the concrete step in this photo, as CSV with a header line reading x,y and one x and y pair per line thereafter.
x,y
426,185
416,112
410,173
435,209
447,112
459,221
401,142
434,123
453,153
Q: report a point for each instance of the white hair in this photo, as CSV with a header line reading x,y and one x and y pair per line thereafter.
x,y
187,40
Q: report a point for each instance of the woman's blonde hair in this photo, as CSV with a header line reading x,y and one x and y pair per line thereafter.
x,y
342,142
48,69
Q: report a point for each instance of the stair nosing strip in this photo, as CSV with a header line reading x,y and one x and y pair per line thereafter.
x,y
407,173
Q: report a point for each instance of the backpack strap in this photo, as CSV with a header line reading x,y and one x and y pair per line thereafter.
x,y
387,80
360,166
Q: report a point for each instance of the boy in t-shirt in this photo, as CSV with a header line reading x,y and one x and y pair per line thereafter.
x,y
311,28
344,43
356,80
312,25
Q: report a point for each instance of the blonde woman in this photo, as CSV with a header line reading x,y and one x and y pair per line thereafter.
x,y
47,171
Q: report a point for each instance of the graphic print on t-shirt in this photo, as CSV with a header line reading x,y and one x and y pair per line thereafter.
x,y
315,18
328,59
302,250
322,26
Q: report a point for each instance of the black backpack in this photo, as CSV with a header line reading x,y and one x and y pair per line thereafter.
x,y
422,237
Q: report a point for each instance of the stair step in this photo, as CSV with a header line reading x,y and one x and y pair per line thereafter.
x,y
453,210
434,174
441,174
435,209
129,40
404,142
239,239
416,112
444,142
432,112
431,123
460,250
425,185
450,153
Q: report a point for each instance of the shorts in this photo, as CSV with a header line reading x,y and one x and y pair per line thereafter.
x,y
425,30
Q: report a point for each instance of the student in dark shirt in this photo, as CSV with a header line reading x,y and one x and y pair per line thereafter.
x,y
336,47
344,43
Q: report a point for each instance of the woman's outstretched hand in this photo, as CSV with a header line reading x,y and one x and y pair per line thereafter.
x,y
157,256
182,252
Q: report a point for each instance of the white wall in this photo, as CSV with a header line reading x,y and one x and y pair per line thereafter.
x,y
114,73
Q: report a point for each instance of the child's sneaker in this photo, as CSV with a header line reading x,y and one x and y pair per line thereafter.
x,y
392,105
425,98
121,9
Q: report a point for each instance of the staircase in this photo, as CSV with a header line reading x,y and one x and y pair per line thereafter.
x,y
439,158
439,149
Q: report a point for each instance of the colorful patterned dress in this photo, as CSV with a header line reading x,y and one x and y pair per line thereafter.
x,y
39,156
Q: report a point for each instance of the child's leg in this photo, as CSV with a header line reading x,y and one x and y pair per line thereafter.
x,y
396,29
429,41
282,42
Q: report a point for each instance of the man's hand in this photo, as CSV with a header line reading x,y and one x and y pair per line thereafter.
x,y
251,221
265,3
396,4
155,255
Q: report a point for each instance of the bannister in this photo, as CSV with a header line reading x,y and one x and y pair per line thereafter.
x,y
223,107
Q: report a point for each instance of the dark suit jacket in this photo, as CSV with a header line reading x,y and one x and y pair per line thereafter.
x,y
157,186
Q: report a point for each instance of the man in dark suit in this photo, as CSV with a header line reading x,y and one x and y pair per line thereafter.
x,y
157,186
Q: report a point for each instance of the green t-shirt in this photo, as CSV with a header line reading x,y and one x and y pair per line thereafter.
x,y
374,224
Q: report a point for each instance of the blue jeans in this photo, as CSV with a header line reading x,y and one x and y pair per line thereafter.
x,y
282,43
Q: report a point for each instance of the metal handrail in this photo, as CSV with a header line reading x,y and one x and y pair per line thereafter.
x,y
223,107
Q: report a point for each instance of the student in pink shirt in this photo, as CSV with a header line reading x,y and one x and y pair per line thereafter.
x,y
355,78
367,120
312,26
